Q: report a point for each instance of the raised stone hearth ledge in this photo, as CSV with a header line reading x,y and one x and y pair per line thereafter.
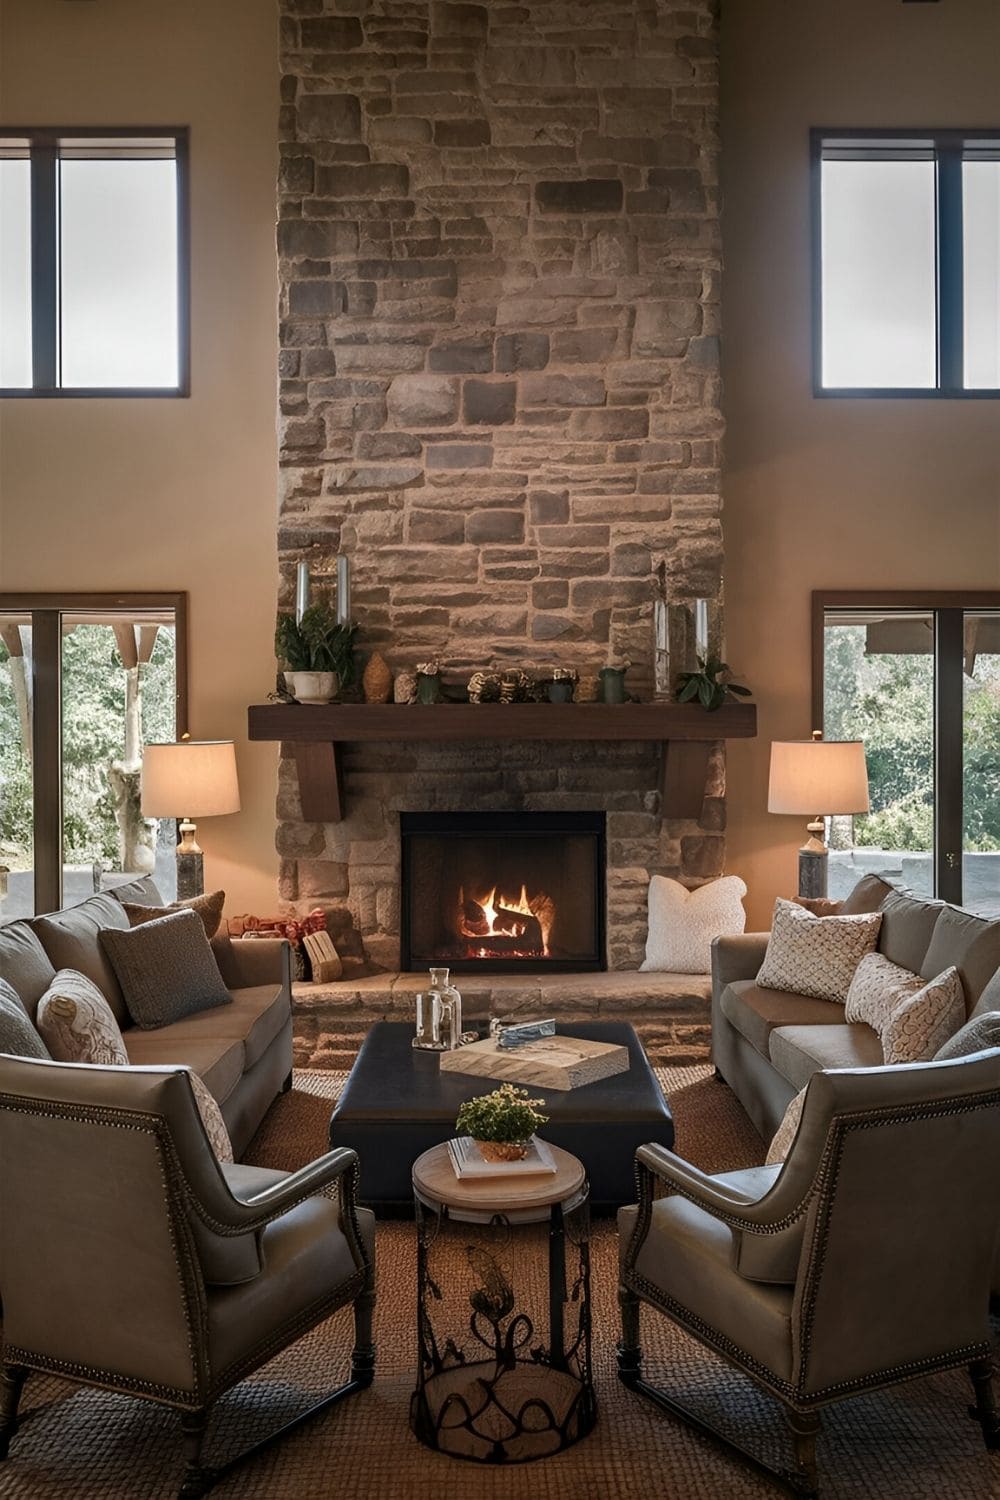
x,y
670,1011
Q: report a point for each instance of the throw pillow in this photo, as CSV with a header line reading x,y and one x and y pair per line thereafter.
x,y
816,956
977,1035
166,969
209,909
77,1023
18,1038
682,923
912,1016
781,1141
211,1118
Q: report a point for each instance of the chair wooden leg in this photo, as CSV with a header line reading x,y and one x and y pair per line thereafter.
x,y
12,1378
804,1427
197,1479
363,1353
629,1350
985,1409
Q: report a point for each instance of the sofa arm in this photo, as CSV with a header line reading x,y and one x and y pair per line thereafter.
x,y
251,961
737,957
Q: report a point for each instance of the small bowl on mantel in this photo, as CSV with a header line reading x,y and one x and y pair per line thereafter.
x,y
312,687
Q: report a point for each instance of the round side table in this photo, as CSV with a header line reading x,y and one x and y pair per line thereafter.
x,y
490,1387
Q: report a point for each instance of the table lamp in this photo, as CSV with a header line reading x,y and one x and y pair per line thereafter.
x,y
187,780
807,775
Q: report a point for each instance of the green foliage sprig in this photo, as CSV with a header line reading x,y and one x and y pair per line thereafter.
x,y
710,684
317,643
508,1115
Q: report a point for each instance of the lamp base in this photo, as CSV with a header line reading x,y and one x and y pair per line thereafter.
x,y
813,873
190,875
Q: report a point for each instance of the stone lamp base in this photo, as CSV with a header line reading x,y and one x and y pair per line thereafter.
x,y
190,864
814,862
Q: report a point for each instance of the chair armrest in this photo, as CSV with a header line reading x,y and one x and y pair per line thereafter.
x,y
737,1209
252,961
737,957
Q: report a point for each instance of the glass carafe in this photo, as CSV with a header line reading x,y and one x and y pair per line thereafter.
x,y
450,1002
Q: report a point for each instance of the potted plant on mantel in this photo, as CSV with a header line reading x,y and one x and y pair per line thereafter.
x,y
710,684
501,1123
317,652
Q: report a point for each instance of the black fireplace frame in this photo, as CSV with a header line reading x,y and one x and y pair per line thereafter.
x,y
519,825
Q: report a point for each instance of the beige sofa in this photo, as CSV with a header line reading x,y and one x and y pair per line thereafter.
x,y
767,1044
243,1051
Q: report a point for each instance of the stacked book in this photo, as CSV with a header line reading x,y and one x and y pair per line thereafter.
x,y
469,1162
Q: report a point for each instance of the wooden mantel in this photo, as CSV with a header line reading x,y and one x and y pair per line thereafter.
x,y
316,733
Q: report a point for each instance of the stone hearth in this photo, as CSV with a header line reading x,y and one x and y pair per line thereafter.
x,y
499,257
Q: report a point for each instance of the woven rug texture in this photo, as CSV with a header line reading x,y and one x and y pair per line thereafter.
x,y
913,1442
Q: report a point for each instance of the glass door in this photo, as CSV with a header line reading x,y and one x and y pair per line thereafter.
x,y
17,853
981,763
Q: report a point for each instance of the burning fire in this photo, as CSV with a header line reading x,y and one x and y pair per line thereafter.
x,y
508,917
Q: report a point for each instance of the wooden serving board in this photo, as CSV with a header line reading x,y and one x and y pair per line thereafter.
x,y
553,1062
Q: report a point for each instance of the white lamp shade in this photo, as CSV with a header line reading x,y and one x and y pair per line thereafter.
x,y
823,777
191,779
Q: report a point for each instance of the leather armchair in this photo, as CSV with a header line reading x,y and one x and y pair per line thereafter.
x,y
864,1259
130,1259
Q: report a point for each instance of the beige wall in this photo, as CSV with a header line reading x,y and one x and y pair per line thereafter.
x,y
835,493
169,494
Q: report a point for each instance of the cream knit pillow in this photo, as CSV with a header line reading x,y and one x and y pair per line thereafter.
x,y
913,1017
682,923
816,956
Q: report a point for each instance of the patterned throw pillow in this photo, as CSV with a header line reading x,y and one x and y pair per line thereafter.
x,y
977,1035
912,1016
682,923
816,956
781,1141
209,909
77,1023
211,1118
18,1038
166,969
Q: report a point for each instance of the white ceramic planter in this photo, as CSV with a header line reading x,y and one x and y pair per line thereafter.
x,y
312,687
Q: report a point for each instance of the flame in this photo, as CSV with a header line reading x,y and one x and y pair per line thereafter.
x,y
497,907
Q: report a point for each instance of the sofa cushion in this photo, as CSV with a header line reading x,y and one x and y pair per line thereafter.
x,y
988,1000
908,924
217,1060
979,1034
255,1018
971,943
868,895
755,1013
18,1038
77,1023
166,968
70,938
25,964
815,956
798,1052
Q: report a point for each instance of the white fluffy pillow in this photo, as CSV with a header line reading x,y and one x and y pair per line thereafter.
x,y
682,923
913,1017
816,956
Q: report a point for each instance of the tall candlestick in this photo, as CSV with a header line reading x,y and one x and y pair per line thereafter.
x,y
701,628
301,591
343,590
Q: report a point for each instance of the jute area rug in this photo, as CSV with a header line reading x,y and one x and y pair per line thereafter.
x,y
914,1442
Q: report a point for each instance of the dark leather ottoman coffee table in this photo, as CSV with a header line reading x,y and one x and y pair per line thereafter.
x,y
396,1104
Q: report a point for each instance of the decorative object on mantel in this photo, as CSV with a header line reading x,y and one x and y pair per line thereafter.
x,y
318,652
711,684
376,680
588,688
562,685
555,1062
513,686
613,682
502,1123
343,591
484,687
662,681
404,688
429,683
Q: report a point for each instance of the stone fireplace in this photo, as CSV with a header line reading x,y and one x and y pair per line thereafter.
x,y
499,256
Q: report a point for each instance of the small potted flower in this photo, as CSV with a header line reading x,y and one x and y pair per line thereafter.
x,y
501,1123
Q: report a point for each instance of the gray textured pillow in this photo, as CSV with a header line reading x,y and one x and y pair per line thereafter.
x,y
978,1034
18,1038
166,969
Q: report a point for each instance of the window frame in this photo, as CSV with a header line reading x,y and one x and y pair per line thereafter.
x,y
46,611
43,146
948,607
948,147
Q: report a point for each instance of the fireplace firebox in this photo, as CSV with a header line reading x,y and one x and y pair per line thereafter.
x,y
503,892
